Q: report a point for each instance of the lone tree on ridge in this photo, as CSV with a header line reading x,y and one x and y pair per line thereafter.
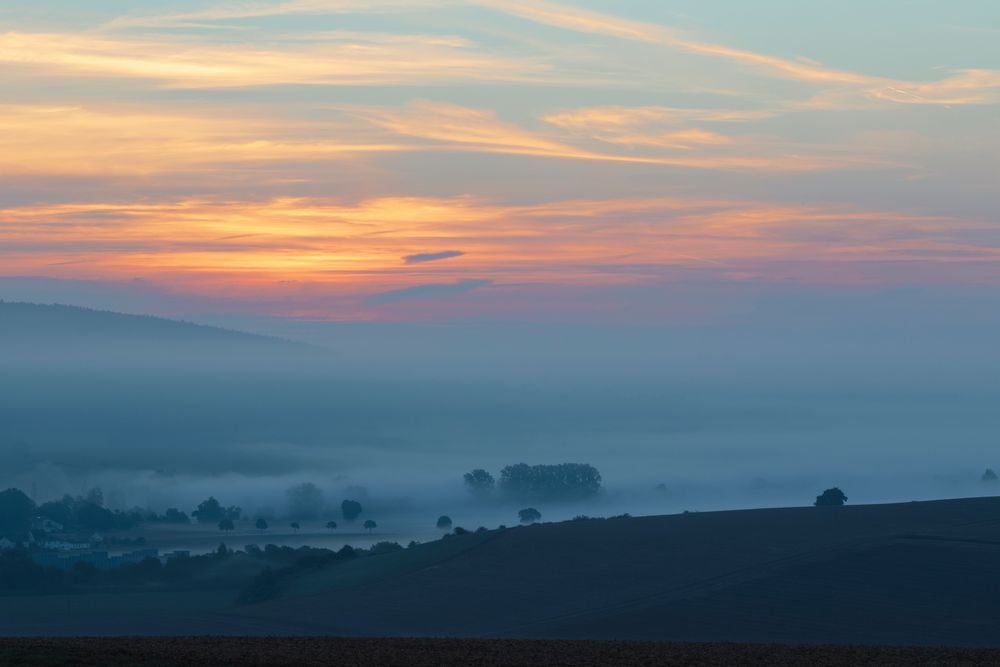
x,y
831,498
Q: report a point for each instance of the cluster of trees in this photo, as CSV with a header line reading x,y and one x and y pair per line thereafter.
x,y
20,574
270,581
17,511
526,516
88,513
479,481
212,511
564,481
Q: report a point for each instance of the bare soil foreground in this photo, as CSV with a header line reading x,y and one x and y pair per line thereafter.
x,y
389,652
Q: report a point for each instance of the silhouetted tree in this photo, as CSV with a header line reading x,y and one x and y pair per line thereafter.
x,y
350,509
370,525
332,525
211,511
989,476
385,548
260,525
227,525
16,511
479,481
529,515
174,515
295,526
444,522
305,501
831,498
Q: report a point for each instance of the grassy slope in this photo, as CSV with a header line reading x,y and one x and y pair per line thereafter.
x,y
387,566
857,574
636,578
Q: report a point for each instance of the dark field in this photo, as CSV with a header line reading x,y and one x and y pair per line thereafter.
x,y
434,652
915,574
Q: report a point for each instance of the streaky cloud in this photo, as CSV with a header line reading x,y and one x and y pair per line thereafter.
x,y
422,257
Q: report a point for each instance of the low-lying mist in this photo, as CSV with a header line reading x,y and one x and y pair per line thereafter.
x,y
675,418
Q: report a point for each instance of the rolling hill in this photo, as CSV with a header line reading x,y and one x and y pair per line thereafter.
x,y
919,573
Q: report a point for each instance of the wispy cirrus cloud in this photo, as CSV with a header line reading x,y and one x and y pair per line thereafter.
x,y
456,127
249,10
976,86
338,58
134,141
964,86
642,126
337,146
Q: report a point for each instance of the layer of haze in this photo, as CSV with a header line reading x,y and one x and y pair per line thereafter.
x,y
797,398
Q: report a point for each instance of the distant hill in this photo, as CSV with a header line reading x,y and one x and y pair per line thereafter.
x,y
31,330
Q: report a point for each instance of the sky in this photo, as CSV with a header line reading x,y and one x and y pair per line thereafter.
x,y
528,161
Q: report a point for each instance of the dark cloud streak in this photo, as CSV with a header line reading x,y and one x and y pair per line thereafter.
x,y
423,257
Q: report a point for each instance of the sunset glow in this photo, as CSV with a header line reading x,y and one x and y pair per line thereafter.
x,y
289,156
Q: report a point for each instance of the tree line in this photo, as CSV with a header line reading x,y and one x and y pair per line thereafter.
x,y
563,481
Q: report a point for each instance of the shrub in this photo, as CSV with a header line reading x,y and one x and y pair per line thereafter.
x,y
529,515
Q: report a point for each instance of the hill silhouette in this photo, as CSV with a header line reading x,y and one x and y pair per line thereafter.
x,y
45,331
